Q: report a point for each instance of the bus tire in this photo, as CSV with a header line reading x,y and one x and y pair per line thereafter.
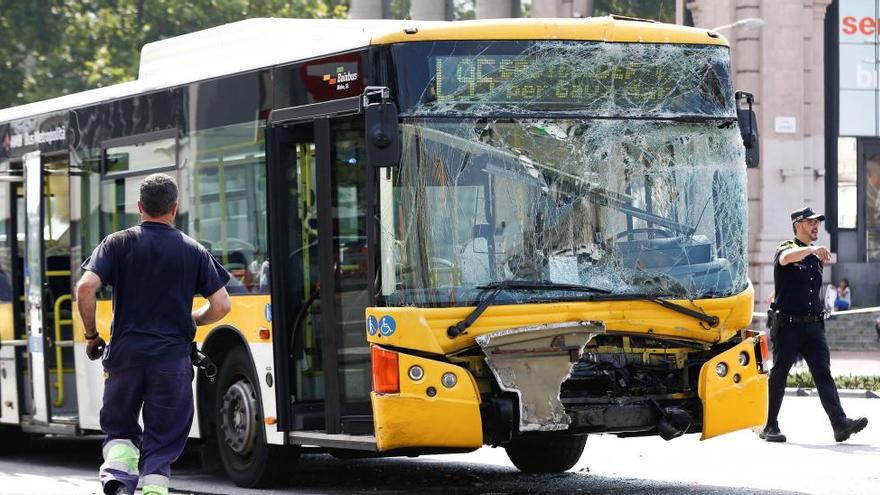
x,y
247,459
549,454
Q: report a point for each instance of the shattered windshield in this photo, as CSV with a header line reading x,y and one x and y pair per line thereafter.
x,y
635,206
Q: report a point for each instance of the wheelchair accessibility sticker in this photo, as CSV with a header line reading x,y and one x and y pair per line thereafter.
x,y
387,326
372,325
268,312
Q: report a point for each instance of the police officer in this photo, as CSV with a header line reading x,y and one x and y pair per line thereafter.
x,y
799,328
155,271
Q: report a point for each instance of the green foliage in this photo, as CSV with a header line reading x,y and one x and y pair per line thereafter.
x,y
658,10
463,10
55,47
400,9
805,380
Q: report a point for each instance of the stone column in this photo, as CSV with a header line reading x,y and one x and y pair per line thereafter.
x,y
711,13
582,8
814,95
784,170
496,9
369,9
562,8
546,8
431,10
746,56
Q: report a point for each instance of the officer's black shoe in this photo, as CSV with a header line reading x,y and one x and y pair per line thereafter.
x,y
772,434
847,427
114,487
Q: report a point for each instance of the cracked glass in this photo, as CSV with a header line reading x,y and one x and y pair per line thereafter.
x,y
613,165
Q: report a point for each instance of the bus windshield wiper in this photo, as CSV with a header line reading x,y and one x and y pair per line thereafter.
x,y
710,320
489,292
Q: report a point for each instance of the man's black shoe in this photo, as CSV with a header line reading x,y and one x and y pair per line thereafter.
x,y
847,427
772,434
114,487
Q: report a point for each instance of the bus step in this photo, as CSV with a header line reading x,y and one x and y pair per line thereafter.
x,y
333,440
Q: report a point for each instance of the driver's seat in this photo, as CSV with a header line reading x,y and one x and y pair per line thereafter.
x,y
665,251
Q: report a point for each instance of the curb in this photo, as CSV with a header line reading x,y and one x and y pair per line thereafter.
x,y
843,393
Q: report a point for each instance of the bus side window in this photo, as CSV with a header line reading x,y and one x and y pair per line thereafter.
x,y
223,199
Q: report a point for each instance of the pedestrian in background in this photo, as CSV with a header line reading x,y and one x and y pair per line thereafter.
x,y
799,326
844,297
155,271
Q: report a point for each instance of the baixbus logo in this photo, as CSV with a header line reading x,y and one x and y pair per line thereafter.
x,y
342,78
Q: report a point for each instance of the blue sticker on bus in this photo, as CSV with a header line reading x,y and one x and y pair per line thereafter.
x,y
372,325
269,312
387,326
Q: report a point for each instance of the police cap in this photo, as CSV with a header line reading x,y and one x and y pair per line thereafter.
x,y
806,213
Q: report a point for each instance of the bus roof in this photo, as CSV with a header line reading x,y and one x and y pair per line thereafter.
x,y
258,43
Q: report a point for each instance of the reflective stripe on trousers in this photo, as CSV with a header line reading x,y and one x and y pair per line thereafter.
x,y
121,458
155,484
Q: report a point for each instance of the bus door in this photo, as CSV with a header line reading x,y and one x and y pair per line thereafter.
x,y
47,291
13,338
317,180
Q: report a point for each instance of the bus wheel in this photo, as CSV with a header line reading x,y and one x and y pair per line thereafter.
x,y
247,459
549,454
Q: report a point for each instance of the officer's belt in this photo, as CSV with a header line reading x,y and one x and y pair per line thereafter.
x,y
810,318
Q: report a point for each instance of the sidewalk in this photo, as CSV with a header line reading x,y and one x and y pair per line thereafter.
x,y
843,363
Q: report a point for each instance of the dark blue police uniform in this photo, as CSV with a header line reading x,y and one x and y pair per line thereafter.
x,y
801,331
155,271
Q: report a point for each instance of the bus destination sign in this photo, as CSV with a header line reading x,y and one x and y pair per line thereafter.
x,y
546,83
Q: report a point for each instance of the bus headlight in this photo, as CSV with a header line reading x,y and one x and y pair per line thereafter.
x,y
416,373
721,369
743,358
448,379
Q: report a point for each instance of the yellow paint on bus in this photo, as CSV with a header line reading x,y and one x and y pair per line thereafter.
x,y
593,29
248,316
424,329
415,418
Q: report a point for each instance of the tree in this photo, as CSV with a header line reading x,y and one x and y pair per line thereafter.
x,y
57,47
658,10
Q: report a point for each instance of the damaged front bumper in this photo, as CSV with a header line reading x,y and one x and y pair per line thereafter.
x,y
563,377
532,362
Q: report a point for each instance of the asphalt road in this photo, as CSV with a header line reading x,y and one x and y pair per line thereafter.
x,y
811,462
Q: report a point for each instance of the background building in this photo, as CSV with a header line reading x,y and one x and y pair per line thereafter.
x,y
853,144
782,63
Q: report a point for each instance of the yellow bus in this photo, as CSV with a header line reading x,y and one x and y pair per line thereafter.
x,y
441,236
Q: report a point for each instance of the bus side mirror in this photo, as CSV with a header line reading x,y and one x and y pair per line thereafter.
x,y
748,128
382,134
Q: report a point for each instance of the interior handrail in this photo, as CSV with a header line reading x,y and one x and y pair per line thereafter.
x,y
59,371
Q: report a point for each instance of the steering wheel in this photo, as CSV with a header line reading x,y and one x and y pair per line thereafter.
x,y
647,230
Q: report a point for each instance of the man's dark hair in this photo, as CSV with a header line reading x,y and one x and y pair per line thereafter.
x,y
158,194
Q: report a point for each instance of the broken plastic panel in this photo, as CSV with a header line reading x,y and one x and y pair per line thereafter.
x,y
533,362
585,193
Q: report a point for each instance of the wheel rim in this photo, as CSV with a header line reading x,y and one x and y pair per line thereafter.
x,y
238,417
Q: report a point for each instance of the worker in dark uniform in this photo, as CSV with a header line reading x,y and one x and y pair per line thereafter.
x,y
155,271
799,327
